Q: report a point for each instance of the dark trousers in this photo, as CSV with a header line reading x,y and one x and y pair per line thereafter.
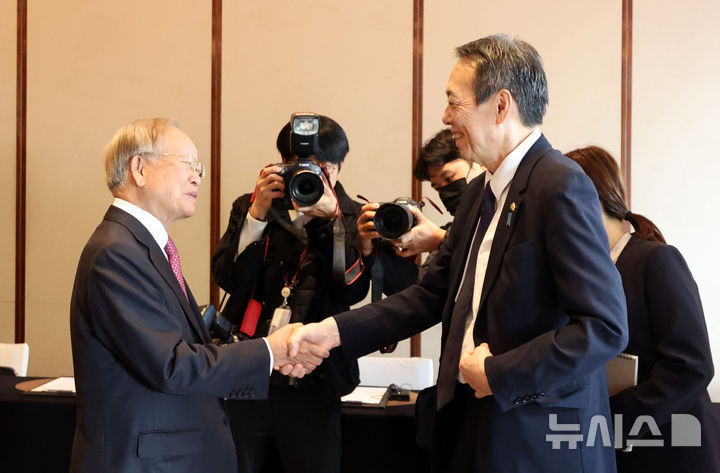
x,y
296,430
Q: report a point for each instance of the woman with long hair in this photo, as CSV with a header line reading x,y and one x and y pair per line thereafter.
x,y
667,333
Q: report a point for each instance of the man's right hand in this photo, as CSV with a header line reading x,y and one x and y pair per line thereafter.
x,y
303,360
324,334
366,228
270,185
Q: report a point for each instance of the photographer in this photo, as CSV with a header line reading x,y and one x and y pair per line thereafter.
x,y
440,163
276,254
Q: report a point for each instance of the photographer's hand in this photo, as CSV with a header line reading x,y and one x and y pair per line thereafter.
x,y
424,236
366,228
326,207
269,186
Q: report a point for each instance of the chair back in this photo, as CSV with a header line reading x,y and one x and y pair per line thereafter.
x,y
15,356
409,373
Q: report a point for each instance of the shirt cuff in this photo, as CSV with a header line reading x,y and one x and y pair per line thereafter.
x,y
272,358
251,231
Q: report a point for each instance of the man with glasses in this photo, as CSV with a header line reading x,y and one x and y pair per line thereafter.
x,y
150,383
278,261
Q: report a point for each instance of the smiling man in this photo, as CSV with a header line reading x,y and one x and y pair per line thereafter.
x,y
530,303
150,384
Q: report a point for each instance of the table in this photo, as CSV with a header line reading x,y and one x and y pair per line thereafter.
x,y
39,432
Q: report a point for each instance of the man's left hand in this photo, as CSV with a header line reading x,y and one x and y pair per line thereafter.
x,y
326,207
472,367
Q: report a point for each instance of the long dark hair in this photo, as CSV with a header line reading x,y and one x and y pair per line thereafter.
x,y
604,172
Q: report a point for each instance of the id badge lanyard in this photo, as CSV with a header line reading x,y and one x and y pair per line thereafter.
x,y
281,315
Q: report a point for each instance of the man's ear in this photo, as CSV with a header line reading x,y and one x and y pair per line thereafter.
x,y
504,101
137,170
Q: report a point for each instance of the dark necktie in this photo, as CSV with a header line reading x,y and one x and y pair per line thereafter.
x,y
463,306
174,260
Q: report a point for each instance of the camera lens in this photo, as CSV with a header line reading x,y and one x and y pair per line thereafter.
x,y
393,220
306,188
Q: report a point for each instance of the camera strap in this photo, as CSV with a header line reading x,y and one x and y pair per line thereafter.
x,y
299,233
340,274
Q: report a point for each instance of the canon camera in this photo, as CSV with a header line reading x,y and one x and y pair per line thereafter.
x,y
394,219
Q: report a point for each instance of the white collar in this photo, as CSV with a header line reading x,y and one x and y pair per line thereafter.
x,y
506,171
148,220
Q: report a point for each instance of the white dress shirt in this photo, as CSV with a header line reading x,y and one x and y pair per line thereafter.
x,y
252,229
500,185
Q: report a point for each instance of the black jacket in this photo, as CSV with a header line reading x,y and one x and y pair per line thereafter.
x,y
266,265
669,335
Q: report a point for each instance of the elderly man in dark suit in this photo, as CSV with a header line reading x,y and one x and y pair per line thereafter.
x,y
530,303
150,384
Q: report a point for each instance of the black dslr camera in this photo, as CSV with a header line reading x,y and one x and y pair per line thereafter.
x,y
394,219
303,178
220,328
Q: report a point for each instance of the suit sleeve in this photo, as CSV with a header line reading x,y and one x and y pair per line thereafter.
x,y
684,365
150,335
588,294
401,315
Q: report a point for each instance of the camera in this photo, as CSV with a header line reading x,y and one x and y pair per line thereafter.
x,y
394,219
219,327
303,179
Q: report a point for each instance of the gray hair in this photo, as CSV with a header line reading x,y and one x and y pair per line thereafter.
x,y
505,63
138,137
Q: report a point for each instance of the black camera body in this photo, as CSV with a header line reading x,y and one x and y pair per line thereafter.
x,y
394,219
303,181
220,328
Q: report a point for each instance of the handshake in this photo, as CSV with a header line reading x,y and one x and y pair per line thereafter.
x,y
298,349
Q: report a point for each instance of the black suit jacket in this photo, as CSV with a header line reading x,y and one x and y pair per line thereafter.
x,y
669,335
148,380
551,310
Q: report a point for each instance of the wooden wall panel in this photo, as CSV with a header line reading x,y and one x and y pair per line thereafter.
x,y
8,21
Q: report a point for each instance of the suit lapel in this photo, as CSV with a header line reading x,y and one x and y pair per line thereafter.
x,y
511,214
157,258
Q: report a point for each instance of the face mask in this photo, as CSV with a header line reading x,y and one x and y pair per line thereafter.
x,y
451,195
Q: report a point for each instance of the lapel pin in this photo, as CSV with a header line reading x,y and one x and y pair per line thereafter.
x,y
510,214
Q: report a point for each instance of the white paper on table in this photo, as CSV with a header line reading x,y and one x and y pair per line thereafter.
x,y
367,395
63,384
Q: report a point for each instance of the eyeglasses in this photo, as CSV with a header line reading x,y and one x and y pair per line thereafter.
x,y
190,161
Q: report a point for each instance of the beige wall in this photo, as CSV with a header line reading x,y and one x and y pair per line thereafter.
x,y
675,167
8,34
93,66
351,61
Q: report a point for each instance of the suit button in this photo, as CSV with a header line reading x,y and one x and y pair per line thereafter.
x,y
517,401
